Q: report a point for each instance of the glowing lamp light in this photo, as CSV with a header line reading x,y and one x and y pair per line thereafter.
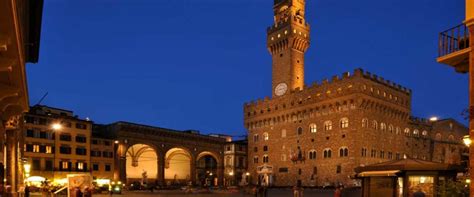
x,y
56,126
116,141
231,173
422,179
468,181
467,140
433,119
210,174
247,174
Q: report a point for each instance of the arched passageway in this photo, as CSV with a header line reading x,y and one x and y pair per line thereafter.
x,y
141,164
178,166
207,169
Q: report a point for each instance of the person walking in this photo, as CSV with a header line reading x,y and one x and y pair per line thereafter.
x,y
337,193
27,190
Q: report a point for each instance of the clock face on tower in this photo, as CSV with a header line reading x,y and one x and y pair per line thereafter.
x,y
281,89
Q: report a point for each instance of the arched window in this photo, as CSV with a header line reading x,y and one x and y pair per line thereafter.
x,y
313,128
397,130
300,130
327,153
407,131
343,152
265,136
365,123
265,158
416,132
344,123
283,157
328,125
451,138
312,154
255,159
438,136
255,138
374,125
424,133
283,133
390,128
383,126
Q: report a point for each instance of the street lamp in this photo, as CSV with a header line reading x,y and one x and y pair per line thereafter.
x,y
27,168
231,175
467,140
56,126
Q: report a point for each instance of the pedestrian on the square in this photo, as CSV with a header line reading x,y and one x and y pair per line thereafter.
x,y
337,193
27,190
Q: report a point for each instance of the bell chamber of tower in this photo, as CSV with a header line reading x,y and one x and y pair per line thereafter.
x,y
287,42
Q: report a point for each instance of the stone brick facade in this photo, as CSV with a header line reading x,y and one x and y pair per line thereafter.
x,y
318,134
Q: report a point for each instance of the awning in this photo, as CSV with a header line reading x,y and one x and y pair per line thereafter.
x,y
379,173
35,179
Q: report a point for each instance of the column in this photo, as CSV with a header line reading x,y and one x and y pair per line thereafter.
x,y
161,169
193,171
11,163
220,173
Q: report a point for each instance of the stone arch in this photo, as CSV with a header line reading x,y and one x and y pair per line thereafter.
x,y
208,164
141,163
178,165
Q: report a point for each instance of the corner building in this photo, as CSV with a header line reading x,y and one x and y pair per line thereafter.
x,y
316,135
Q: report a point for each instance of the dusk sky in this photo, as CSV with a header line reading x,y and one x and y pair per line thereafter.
x,y
192,64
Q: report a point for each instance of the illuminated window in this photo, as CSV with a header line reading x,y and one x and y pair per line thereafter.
x,y
64,165
397,130
383,126
416,132
424,133
344,123
407,131
36,148
80,165
313,128
255,159
328,125
374,124
390,128
265,136
365,123
49,149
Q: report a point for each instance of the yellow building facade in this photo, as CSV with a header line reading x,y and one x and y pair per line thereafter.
x,y
54,151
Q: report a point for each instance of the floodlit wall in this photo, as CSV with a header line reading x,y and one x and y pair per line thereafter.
x,y
146,162
179,166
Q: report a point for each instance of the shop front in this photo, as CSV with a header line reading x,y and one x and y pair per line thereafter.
x,y
404,178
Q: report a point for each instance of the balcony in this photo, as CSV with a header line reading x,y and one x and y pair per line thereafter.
x,y
454,48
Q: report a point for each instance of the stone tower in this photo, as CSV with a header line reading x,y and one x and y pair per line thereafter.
x,y
287,41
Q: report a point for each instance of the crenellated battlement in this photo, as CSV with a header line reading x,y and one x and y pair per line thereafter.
x,y
287,21
326,85
383,81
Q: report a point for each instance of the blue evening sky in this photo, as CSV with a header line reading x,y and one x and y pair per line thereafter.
x,y
191,64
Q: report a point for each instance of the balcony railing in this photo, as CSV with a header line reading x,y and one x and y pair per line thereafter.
x,y
453,40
